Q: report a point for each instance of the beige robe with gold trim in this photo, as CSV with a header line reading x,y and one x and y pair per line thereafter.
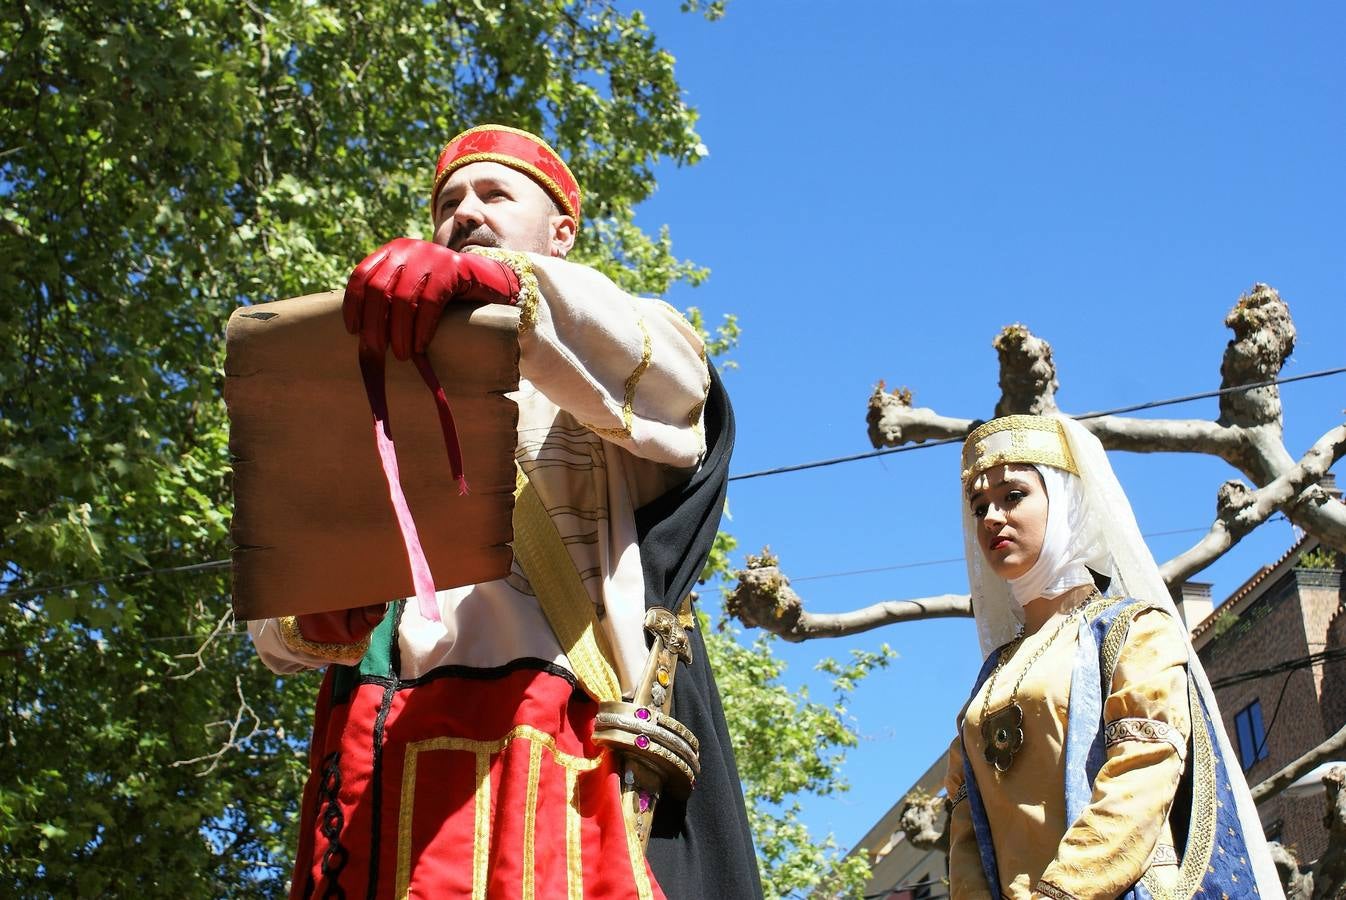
x,y
610,416
1124,829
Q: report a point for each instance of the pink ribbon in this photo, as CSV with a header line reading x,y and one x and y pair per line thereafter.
x,y
372,371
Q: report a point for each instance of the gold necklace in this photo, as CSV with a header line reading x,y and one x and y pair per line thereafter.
x,y
1002,731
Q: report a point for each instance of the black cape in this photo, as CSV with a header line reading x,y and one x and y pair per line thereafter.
x,y
703,847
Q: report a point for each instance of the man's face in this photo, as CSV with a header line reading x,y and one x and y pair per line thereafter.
x,y
486,204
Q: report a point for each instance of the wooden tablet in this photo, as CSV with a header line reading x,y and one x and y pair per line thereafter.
x,y
313,525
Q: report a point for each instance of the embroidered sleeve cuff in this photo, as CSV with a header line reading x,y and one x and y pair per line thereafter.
x,y
1047,889
346,654
529,292
1148,731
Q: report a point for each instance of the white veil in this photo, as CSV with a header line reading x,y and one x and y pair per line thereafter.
x,y
1133,573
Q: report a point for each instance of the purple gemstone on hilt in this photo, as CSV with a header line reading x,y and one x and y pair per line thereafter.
x,y
644,801
642,742
642,713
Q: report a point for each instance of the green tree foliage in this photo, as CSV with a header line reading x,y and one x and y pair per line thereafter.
x,y
161,164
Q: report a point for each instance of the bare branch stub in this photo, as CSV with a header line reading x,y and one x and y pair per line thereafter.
x,y
1027,374
1264,337
1329,875
924,820
1297,885
764,599
893,421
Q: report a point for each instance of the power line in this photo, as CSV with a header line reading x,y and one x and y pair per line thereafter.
x,y
1153,404
1289,665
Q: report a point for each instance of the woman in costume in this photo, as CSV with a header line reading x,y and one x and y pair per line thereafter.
x,y
1090,759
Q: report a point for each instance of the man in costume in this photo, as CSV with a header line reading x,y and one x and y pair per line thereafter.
x,y
526,737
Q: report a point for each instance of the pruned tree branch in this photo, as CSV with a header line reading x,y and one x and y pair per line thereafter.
x,y
893,421
923,821
1329,875
1287,776
1169,435
1239,510
764,599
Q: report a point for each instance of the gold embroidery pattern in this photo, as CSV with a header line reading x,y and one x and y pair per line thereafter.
x,y
1147,730
483,750
1023,439
1201,831
346,654
628,402
1047,889
1164,855
574,858
481,827
530,819
529,291
1116,636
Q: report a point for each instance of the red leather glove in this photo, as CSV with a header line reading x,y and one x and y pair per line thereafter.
x,y
342,626
396,294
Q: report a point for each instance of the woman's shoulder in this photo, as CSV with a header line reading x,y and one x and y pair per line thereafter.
x,y
1122,611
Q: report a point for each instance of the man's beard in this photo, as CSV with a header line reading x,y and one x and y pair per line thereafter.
x,y
482,236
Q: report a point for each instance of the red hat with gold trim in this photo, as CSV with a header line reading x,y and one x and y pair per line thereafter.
x,y
517,149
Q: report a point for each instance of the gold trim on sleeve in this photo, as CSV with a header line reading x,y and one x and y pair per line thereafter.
x,y
529,290
629,401
346,654
1201,829
1151,731
1047,889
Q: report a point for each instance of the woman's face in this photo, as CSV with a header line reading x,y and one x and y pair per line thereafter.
x,y
1009,504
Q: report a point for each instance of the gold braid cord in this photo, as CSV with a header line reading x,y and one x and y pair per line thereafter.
x,y
346,654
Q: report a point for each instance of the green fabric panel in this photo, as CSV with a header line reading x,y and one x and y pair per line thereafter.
x,y
378,658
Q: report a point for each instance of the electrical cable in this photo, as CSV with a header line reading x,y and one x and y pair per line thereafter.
x,y
1153,404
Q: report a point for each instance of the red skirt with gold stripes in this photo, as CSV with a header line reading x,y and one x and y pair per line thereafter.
x,y
464,784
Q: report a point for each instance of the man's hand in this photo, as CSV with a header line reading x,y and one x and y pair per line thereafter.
x,y
396,294
342,626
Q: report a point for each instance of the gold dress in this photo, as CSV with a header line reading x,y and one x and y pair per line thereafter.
x,y
1124,830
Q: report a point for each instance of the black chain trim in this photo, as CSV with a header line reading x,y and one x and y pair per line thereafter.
x,y
331,821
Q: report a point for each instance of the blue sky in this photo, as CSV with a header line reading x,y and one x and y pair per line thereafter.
x,y
889,184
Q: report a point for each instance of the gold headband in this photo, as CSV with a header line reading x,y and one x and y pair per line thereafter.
x,y
1016,439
